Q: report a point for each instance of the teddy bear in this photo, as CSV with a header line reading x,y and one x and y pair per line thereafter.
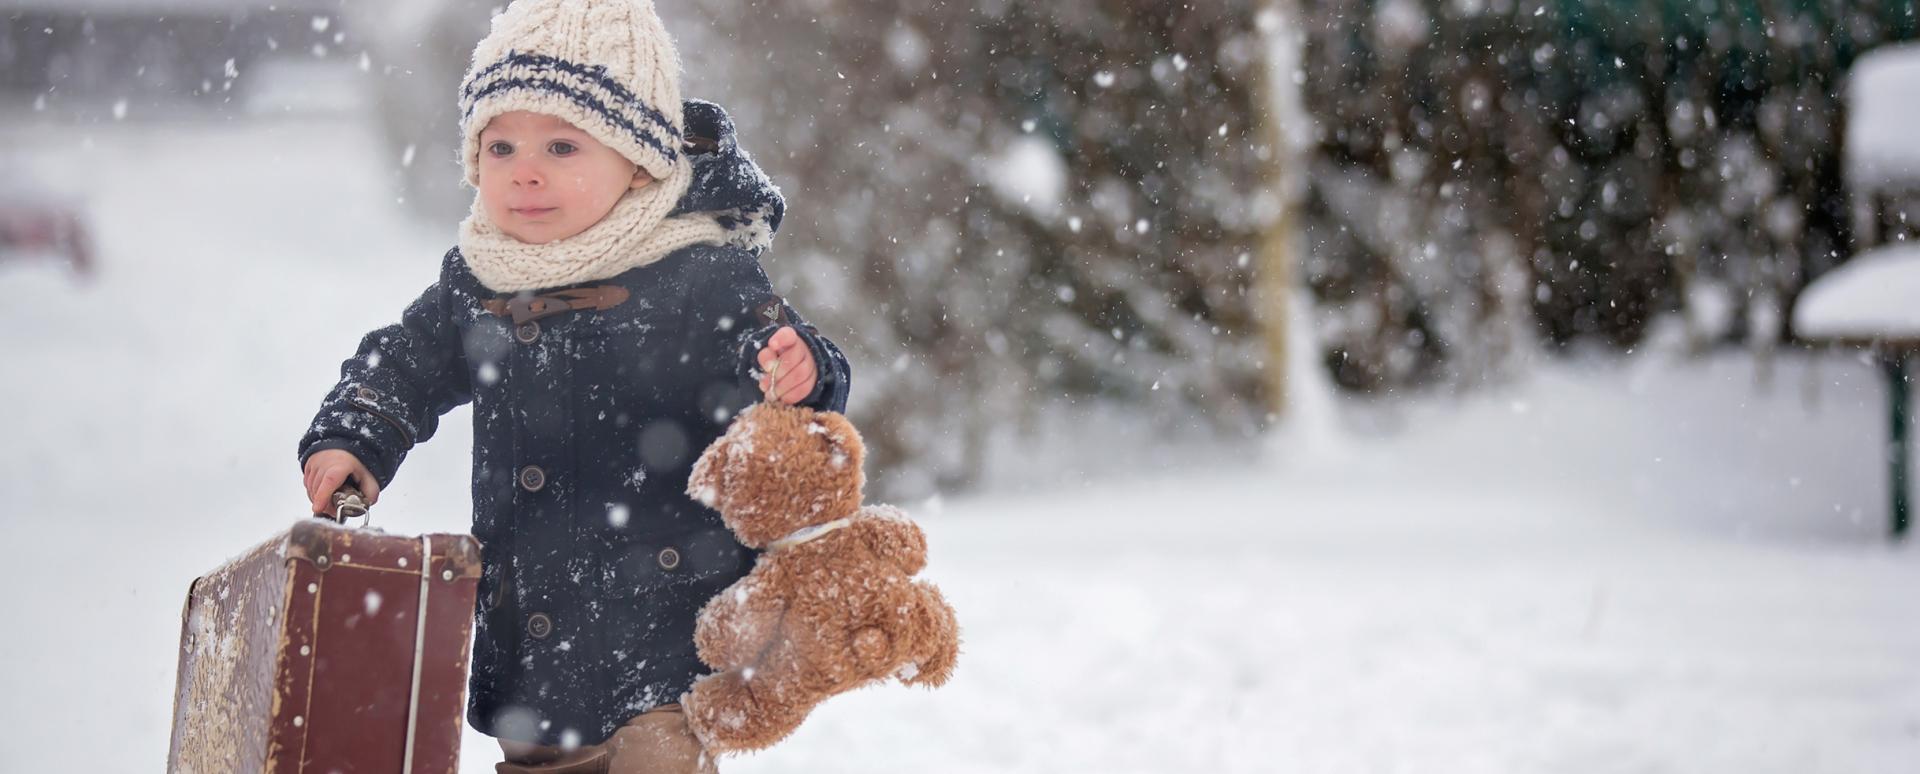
x,y
830,605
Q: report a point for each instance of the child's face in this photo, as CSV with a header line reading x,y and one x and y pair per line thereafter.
x,y
542,180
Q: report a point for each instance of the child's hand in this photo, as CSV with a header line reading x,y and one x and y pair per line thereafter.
x,y
789,360
327,469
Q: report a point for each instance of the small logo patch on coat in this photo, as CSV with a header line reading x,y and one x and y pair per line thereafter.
x,y
773,311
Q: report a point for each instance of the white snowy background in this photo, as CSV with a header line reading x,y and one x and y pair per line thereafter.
x,y
1652,563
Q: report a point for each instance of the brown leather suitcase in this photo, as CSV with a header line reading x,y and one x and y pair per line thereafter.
x,y
310,653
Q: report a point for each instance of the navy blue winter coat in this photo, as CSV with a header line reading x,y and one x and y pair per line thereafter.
x,y
585,428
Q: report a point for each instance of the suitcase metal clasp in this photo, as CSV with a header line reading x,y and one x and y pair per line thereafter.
x,y
348,503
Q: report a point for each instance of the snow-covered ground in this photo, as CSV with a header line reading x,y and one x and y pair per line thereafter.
x,y
1656,564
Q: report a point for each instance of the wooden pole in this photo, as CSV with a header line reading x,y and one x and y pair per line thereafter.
x,y
1277,101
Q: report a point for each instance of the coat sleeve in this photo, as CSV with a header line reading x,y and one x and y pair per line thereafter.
x,y
393,390
737,304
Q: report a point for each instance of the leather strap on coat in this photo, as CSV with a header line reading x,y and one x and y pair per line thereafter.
x,y
523,308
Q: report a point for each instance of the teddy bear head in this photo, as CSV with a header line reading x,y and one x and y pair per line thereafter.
x,y
780,469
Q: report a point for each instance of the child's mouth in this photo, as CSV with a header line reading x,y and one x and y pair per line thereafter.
x,y
533,212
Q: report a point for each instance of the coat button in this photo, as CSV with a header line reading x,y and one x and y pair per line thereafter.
x,y
669,558
532,478
527,332
539,626
367,394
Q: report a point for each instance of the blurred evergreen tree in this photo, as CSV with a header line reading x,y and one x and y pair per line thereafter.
x,y
1593,162
999,206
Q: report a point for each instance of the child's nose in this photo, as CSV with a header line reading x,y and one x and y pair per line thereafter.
x,y
527,173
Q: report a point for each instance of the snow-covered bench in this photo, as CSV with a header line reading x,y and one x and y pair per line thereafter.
x,y
1873,302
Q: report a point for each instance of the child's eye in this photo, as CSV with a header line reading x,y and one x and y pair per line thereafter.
x,y
499,148
562,148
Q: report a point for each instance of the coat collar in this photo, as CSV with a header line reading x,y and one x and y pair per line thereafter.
x,y
727,184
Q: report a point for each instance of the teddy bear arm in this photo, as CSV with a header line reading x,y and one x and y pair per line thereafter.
x,y
896,541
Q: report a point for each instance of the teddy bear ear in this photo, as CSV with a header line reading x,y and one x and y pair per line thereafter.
x,y
704,481
843,438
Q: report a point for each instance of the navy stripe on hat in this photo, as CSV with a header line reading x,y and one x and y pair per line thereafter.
x,y
597,74
578,84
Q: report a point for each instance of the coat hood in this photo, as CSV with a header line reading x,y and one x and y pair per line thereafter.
x,y
727,184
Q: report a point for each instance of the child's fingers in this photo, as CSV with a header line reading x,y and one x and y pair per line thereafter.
x,y
330,480
313,485
779,344
793,379
778,382
796,360
769,370
369,485
794,395
780,365
787,373
783,339
786,348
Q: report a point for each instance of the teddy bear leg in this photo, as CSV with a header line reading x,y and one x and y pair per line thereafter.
x,y
731,713
717,705
936,638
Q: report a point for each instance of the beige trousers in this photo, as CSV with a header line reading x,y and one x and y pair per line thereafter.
x,y
657,742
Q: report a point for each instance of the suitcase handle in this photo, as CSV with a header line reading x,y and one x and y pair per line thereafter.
x,y
349,503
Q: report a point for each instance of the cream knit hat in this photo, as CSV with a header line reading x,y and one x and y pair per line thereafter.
x,y
605,66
